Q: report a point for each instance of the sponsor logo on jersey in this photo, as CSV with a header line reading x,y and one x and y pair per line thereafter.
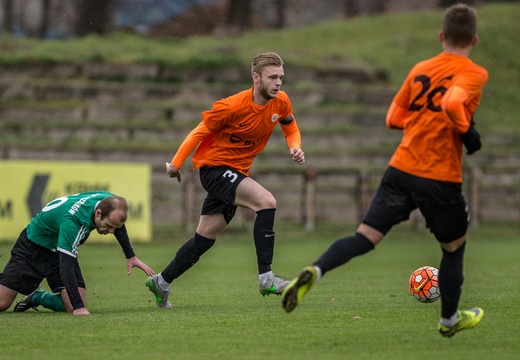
x,y
237,139
78,204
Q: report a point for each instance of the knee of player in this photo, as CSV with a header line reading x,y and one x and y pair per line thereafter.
x,y
5,304
268,202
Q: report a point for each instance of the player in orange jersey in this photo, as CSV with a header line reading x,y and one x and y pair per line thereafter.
x,y
227,140
434,108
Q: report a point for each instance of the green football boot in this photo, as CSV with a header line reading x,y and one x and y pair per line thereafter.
x,y
294,292
467,320
274,284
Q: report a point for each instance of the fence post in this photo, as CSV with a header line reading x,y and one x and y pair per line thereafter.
x,y
309,199
474,195
189,197
364,194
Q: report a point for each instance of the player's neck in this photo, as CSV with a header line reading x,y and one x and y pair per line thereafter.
x,y
258,98
460,51
464,52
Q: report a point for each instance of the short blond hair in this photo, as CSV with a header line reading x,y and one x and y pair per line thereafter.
x,y
265,59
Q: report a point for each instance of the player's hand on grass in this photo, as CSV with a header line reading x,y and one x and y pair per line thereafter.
x,y
297,155
173,171
135,262
81,311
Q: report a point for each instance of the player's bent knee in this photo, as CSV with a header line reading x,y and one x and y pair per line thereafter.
x,y
4,305
452,246
268,202
6,298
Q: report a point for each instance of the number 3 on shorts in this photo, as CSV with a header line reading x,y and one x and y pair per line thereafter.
x,y
230,174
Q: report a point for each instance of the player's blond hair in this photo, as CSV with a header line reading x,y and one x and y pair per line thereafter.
x,y
265,59
459,25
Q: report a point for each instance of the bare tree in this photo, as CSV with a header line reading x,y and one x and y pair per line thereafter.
x,y
239,12
44,25
94,16
357,7
281,6
352,8
378,6
8,15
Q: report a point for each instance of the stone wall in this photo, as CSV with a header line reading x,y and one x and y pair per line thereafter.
x,y
103,112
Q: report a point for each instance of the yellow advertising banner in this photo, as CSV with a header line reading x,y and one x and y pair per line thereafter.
x,y
27,186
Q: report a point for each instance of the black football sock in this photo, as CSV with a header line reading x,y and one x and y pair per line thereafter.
x,y
187,256
342,250
450,280
264,239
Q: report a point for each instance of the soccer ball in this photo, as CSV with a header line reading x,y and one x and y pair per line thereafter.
x,y
424,284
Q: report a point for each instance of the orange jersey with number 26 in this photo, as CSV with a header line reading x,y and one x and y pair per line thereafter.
x,y
434,106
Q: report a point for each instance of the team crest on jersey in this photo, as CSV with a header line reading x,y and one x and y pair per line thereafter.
x,y
274,118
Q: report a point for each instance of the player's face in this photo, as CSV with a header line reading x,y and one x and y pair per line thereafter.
x,y
270,81
109,223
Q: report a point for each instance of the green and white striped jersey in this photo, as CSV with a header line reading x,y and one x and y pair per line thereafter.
x,y
65,223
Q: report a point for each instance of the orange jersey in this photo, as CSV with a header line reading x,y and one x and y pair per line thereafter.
x,y
236,130
434,107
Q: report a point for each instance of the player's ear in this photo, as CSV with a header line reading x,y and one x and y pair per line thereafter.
x,y
441,36
474,41
256,76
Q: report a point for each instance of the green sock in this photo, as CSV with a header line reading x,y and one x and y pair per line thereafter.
x,y
48,300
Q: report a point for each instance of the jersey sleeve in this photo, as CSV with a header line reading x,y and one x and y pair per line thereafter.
x,y
288,123
70,281
217,118
463,97
291,132
396,116
121,235
213,120
190,143
398,110
71,235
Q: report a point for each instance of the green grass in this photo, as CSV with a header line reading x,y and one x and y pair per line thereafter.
x,y
219,314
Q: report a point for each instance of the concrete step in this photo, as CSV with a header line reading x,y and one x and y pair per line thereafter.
x,y
332,72
51,89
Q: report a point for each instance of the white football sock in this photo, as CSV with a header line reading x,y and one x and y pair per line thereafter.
x,y
451,321
318,276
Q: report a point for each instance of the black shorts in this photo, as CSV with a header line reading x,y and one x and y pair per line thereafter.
x,y
441,203
221,183
30,264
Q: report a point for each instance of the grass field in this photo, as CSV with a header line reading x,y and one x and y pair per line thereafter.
x,y
360,311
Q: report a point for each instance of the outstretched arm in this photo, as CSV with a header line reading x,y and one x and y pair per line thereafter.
x,y
131,260
135,262
188,145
